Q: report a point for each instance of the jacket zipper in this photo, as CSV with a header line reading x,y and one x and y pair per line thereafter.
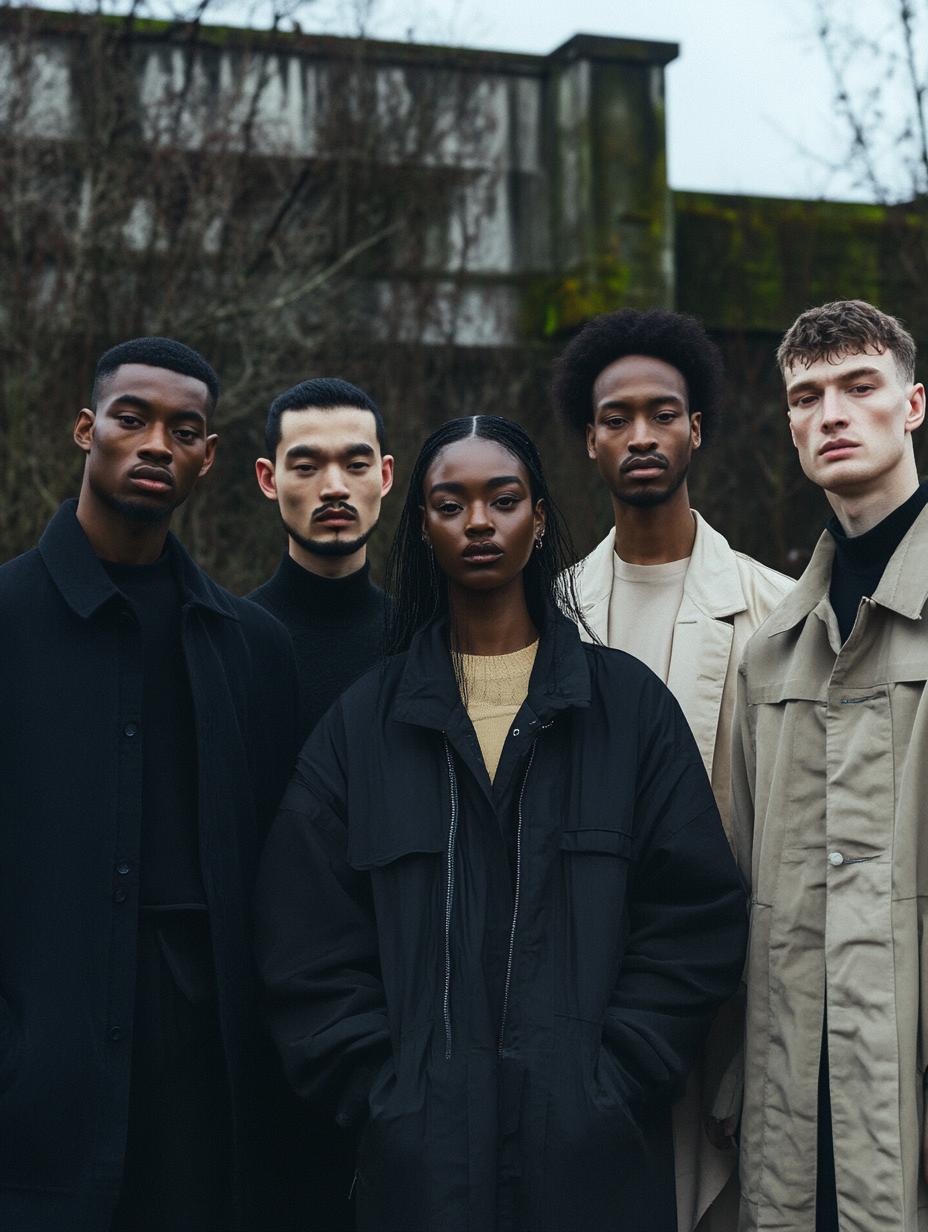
x,y
449,896
515,905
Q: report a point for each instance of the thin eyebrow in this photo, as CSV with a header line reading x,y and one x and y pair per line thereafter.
x,y
458,488
311,451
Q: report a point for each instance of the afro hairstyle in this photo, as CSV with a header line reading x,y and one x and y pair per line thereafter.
x,y
155,353
677,339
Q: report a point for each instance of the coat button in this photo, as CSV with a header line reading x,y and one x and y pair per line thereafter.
x,y
130,729
515,731
116,1034
120,896
836,858
122,869
343,1120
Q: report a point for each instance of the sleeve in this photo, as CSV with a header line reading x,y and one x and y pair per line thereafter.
x,y
743,778
686,912
317,939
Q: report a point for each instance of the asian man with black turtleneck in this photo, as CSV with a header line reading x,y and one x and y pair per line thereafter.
x,y
328,471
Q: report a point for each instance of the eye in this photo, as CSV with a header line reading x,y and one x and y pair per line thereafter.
x,y
507,500
186,434
130,421
861,389
615,421
448,507
358,466
666,416
304,468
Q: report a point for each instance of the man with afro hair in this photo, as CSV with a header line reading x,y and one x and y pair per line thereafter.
x,y
643,390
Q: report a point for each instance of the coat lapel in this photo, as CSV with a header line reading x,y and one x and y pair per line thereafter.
x,y
703,634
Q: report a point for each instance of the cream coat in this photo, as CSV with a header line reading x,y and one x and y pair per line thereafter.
x,y
726,597
830,793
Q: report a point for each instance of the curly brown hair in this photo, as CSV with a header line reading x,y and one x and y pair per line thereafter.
x,y
846,327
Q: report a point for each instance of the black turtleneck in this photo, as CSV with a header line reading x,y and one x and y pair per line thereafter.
x,y
860,561
337,626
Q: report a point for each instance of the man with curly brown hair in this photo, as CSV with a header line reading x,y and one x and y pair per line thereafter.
x,y
830,762
643,389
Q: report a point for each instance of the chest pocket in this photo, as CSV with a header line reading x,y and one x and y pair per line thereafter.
x,y
601,842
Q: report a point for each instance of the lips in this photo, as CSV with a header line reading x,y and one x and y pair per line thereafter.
x,y
482,553
644,464
335,517
842,447
152,479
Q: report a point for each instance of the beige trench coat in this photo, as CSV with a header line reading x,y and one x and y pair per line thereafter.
x,y
726,596
830,816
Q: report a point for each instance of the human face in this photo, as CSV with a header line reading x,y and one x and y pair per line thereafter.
x,y
478,515
147,442
329,478
642,436
851,419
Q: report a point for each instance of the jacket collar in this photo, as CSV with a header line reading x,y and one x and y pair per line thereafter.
x,y
86,586
903,587
428,693
712,584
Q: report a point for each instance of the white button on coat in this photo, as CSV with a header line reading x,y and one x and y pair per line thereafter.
x,y
836,858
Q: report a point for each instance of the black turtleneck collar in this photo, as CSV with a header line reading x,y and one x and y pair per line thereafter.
x,y
335,600
860,560
337,626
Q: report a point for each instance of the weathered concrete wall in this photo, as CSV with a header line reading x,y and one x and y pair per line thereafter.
x,y
563,208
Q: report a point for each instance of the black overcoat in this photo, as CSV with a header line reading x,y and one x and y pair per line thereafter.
x,y
512,980
70,807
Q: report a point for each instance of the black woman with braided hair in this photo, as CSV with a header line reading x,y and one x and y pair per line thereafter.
x,y
497,910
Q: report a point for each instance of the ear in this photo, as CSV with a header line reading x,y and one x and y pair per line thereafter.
x,y
83,429
696,429
267,480
789,416
424,524
541,518
386,474
916,413
210,454
591,440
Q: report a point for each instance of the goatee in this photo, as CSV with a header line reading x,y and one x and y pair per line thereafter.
x,y
330,547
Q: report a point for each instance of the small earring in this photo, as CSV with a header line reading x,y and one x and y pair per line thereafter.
x,y
538,544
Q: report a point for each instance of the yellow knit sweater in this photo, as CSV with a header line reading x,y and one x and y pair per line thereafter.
x,y
495,686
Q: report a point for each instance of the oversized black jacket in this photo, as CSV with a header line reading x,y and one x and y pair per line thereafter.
x,y
514,979
70,806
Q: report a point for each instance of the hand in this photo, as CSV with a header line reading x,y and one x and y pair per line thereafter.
x,y
724,1134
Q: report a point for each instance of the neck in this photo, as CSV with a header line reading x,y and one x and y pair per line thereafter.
x,y
328,566
861,510
114,537
491,622
656,534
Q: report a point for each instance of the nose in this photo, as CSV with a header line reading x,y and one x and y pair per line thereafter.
x,y
334,486
479,524
156,446
642,438
834,409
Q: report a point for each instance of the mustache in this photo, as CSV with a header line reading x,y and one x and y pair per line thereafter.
x,y
640,460
328,507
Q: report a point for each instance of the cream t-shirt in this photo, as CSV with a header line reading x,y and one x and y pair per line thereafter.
x,y
642,609
495,686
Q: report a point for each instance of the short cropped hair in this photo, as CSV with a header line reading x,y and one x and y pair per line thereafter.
x,y
673,337
846,327
156,353
324,393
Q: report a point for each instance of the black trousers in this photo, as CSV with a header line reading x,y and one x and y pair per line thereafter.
x,y
177,1173
826,1189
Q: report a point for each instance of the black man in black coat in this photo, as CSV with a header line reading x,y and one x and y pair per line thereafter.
x,y
147,731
